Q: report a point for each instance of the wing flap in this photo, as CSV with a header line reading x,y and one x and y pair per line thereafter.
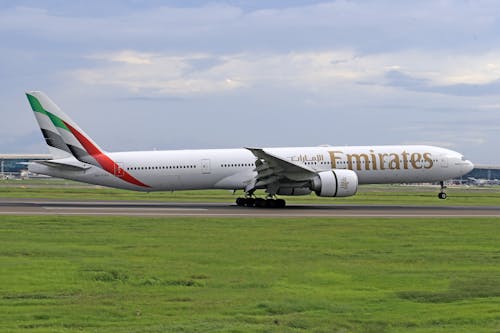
x,y
279,163
273,170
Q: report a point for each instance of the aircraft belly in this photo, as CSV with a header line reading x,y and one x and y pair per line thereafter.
x,y
235,181
398,176
183,182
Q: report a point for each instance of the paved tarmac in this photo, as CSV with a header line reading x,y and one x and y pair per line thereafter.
x,y
165,209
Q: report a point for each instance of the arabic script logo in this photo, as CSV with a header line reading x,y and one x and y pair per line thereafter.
x,y
344,183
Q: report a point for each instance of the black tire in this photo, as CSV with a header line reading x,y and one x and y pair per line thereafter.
x,y
280,203
259,202
271,203
442,195
250,202
240,202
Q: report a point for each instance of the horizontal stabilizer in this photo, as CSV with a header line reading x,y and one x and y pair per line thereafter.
x,y
64,164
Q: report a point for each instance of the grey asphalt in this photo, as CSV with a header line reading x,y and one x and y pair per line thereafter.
x,y
165,209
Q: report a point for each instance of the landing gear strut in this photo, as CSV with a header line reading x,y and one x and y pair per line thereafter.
x,y
442,193
260,202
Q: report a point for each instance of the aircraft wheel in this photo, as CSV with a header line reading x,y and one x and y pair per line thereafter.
x,y
259,202
270,203
280,203
442,195
240,202
250,202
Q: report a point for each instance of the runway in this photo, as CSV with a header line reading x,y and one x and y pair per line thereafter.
x,y
165,209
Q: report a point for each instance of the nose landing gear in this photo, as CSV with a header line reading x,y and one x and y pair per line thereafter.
x,y
442,194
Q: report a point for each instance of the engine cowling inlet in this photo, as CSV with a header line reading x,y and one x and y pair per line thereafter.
x,y
335,183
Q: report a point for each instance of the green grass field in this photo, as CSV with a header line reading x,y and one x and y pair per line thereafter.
x,y
367,194
95,274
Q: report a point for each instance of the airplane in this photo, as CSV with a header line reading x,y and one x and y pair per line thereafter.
x,y
328,171
482,181
478,182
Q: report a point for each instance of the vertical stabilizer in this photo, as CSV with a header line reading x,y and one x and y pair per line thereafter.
x,y
62,132
57,147
65,138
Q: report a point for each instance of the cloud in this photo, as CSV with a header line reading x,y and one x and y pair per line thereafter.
x,y
211,73
398,79
235,26
162,74
127,57
194,73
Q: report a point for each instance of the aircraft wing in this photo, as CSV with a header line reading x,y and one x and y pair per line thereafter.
x,y
272,169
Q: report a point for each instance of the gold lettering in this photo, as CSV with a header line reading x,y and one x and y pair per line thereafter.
x,y
415,160
358,157
374,160
405,159
428,159
394,163
333,158
381,158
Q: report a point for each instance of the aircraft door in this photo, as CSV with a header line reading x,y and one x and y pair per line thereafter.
x,y
118,170
205,166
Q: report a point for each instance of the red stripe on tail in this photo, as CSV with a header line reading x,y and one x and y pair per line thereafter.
x,y
104,161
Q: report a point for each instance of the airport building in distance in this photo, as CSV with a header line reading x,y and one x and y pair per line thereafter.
x,y
489,172
14,166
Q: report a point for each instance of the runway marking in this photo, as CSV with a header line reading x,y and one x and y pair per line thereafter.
x,y
125,208
200,209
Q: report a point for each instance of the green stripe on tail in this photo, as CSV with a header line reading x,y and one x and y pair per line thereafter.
x,y
37,107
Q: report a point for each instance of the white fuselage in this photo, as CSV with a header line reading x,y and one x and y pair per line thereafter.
x,y
234,168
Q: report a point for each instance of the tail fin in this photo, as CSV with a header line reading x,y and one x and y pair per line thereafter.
x,y
62,134
57,147
66,139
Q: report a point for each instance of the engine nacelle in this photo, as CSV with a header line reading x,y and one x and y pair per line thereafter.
x,y
335,183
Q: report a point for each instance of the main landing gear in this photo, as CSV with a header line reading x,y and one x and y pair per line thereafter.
x,y
442,193
260,202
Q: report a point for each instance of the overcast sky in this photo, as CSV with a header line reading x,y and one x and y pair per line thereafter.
x,y
217,74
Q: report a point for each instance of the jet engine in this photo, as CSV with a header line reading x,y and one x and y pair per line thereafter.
x,y
335,183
